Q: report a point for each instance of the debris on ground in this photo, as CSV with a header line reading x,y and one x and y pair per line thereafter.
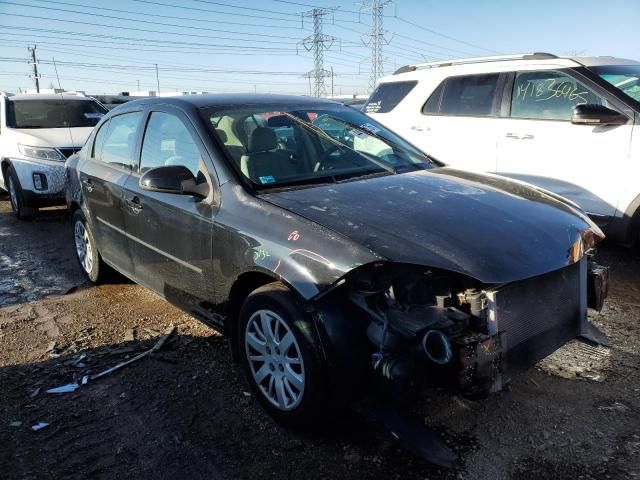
x,y
68,388
155,348
39,426
130,335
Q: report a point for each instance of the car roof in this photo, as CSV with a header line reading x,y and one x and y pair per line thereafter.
x,y
235,99
502,62
603,61
41,96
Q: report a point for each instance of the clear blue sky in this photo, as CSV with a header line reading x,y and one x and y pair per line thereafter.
x,y
247,45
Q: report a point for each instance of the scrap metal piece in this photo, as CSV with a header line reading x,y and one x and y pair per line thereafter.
x,y
39,426
155,348
68,388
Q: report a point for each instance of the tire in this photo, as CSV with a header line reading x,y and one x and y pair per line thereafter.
x,y
16,197
635,238
86,249
290,382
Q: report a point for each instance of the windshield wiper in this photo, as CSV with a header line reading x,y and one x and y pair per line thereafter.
x,y
364,176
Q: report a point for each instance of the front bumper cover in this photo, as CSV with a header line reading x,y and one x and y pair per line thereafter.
x,y
53,172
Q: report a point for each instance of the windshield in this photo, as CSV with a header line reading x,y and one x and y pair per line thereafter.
x,y
53,113
625,78
277,147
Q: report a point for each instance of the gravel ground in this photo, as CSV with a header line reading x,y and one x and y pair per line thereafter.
x,y
184,412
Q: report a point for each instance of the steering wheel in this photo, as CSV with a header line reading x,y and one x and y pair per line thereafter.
x,y
324,162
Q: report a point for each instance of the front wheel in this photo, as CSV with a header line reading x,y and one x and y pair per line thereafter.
x,y
16,197
280,356
86,249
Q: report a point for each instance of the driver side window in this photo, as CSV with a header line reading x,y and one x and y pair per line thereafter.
x,y
167,141
549,95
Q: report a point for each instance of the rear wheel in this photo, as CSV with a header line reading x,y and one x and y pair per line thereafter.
x,y
16,197
635,239
280,356
86,249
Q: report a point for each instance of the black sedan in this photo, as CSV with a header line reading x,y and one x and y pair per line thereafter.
x,y
336,257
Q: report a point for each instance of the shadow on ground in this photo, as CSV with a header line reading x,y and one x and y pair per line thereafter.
x,y
181,413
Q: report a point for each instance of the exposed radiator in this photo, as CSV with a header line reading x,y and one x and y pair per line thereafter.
x,y
536,316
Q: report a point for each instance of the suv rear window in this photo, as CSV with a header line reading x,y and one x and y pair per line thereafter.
x,y
471,95
388,95
37,113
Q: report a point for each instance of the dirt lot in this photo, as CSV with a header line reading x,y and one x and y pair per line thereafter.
x,y
184,412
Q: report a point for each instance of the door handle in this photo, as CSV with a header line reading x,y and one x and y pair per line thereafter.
x,y
526,136
88,184
134,204
418,128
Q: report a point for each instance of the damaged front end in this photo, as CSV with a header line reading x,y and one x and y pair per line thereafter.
x,y
448,329
425,326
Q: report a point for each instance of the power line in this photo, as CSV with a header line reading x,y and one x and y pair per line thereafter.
x,y
138,21
173,17
68,43
444,36
313,6
151,68
137,39
244,8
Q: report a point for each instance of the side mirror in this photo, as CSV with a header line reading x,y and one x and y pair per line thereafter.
x,y
176,179
593,114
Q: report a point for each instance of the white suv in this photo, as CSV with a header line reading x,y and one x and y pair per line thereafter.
x,y
569,125
37,134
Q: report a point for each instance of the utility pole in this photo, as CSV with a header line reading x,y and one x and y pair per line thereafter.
x,y
376,38
34,62
57,76
157,79
138,84
331,81
317,43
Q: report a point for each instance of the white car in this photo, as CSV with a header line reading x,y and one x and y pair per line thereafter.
x,y
568,125
37,134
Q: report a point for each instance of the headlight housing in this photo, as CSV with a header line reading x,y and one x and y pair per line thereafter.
x,y
42,153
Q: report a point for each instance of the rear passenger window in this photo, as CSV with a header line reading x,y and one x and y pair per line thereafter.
x,y
120,140
167,141
387,96
548,95
470,95
432,106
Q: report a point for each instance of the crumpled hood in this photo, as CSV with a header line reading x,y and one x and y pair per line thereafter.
x,y
53,137
484,226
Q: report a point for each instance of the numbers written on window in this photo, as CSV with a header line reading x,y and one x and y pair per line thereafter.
x,y
548,95
167,141
115,141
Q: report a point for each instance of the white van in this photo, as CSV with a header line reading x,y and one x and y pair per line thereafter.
x,y
37,134
569,125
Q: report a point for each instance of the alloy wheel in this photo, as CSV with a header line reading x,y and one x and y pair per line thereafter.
x,y
83,246
275,360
